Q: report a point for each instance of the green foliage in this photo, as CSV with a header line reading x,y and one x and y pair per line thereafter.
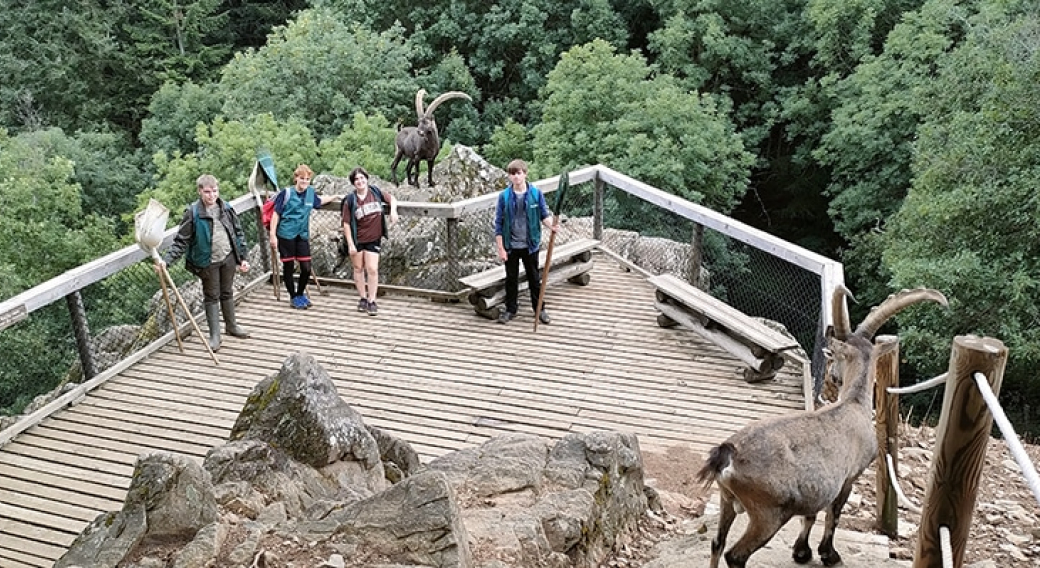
x,y
319,70
509,141
174,112
176,40
367,143
870,144
56,64
228,150
969,224
36,354
601,107
45,231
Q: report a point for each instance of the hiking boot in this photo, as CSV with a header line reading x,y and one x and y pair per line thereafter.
x,y
505,316
544,317
372,309
362,305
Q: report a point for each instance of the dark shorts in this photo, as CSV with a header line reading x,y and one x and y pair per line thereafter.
x,y
298,249
374,246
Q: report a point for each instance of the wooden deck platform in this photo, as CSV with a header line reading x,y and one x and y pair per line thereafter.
x,y
434,374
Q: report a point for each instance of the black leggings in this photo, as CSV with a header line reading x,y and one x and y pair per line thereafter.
x,y
305,277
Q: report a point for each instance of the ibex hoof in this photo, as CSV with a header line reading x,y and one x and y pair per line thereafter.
x,y
831,558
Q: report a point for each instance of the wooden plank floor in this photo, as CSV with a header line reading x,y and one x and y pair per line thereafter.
x,y
434,374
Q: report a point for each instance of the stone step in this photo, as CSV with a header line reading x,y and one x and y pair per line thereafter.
x,y
858,550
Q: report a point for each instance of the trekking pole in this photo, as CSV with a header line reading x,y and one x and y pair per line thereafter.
x,y
274,273
561,189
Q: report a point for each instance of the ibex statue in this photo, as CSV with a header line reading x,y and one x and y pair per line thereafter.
x,y
421,142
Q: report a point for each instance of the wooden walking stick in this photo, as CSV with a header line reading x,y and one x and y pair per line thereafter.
x,y
263,169
184,306
170,312
561,189
149,226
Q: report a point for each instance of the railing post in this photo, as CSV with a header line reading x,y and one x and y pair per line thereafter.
x,y
960,448
451,251
886,374
81,330
696,256
597,209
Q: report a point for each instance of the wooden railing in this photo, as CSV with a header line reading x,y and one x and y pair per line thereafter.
x,y
970,407
69,285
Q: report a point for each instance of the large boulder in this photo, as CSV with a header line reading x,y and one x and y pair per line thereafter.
x,y
170,500
530,502
299,411
301,483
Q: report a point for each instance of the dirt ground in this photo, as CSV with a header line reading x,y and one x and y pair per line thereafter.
x,y
1005,526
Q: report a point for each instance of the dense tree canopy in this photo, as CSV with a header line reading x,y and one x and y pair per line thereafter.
x,y
601,107
970,224
896,135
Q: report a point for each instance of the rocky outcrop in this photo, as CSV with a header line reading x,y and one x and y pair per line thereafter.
x,y
303,481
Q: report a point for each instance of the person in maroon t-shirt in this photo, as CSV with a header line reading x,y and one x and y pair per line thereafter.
x,y
364,226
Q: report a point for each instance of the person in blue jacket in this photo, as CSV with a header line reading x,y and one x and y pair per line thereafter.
x,y
290,231
214,246
519,217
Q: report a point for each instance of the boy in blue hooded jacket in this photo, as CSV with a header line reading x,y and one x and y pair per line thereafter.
x,y
519,217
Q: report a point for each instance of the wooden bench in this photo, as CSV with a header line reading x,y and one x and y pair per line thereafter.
x,y
571,262
748,339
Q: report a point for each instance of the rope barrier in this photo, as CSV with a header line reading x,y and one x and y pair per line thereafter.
x,y
894,481
1008,431
922,386
947,549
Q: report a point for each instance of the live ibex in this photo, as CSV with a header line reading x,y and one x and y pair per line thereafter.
x,y
421,142
800,464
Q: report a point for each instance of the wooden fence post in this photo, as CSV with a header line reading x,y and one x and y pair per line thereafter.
x,y
886,369
960,448
597,208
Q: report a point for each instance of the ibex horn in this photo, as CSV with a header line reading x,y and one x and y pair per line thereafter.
x,y
419,95
842,327
895,304
444,97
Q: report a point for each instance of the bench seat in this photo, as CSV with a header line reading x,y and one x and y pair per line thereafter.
x,y
760,347
571,261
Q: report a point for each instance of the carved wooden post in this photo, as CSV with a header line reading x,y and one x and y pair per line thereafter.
x,y
597,209
886,369
960,448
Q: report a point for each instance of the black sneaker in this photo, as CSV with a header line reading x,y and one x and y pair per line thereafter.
x,y
362,305
505,316
372,309
544,317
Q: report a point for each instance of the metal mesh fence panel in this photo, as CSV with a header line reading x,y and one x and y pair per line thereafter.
x,y
753,281
38,354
